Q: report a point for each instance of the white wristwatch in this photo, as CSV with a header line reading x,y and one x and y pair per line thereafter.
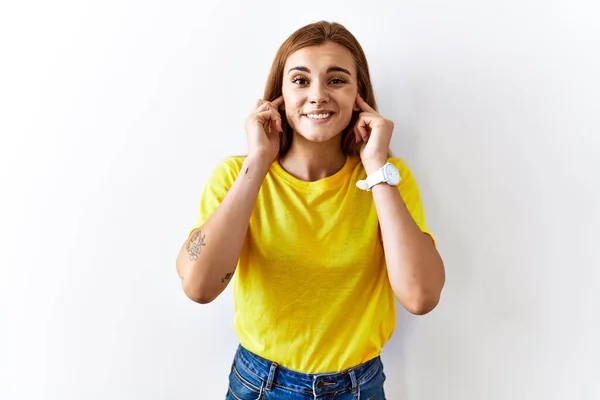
x,y
388,174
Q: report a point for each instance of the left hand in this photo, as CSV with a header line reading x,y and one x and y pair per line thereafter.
x,y
375,132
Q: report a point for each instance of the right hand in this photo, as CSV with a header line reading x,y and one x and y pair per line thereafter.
x,y
263,127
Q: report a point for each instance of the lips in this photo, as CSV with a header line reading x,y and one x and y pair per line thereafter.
x,y
319,118
319,114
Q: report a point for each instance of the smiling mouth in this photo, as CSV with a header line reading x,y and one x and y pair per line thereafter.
x,y
318,116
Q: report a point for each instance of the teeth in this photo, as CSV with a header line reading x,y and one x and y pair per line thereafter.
x,y
318,116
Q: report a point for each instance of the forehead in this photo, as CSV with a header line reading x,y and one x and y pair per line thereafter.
x,y
319,58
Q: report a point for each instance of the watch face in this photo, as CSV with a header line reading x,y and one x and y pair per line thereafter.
x,y
392,174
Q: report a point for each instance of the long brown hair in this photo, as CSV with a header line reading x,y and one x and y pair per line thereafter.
x,y
313,35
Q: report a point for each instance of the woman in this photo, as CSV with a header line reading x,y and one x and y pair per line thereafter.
x,y
322,229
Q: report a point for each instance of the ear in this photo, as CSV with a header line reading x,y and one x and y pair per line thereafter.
x,y
355,107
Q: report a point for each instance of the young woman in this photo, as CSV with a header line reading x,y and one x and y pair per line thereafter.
x,y
321,227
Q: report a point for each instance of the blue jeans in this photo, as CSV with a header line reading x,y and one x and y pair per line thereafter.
x,y
253,377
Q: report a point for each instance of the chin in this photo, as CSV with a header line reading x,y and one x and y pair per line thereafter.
x,y
319,134
317,137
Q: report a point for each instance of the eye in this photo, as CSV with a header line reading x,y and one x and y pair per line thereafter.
x,y
338,81
299,80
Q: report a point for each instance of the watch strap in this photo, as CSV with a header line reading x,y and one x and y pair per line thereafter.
x,y
375,178
372,180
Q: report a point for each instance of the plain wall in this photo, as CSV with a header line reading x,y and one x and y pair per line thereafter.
x,y
113,113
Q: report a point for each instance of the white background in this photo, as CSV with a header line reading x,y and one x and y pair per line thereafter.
x,y
112,115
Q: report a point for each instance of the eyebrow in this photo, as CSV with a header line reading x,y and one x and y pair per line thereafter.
x,y
330,69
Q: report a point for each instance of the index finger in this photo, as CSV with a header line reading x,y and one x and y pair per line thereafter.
x,y
278,101
363,104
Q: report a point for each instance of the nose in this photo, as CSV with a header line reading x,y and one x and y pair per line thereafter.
x,y
318,94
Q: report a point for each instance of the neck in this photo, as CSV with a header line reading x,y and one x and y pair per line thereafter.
x,y
310,161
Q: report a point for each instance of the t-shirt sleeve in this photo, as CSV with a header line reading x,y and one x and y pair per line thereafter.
x,y
409,190
218,184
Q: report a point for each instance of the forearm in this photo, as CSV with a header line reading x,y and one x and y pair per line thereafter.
x,y
415,268
207,260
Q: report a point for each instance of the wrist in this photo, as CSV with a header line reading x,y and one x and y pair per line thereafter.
x,y
373,165
257,163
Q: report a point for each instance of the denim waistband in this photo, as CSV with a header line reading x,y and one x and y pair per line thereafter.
x,y
267,374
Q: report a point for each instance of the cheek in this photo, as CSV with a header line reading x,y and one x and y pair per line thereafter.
x,y
292,103
351,98
291,109
347,109
347,100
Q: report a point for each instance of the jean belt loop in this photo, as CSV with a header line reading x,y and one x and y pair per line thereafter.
x,y
271,376
352,374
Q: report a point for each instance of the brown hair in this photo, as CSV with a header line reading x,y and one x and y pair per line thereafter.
x,y
313,35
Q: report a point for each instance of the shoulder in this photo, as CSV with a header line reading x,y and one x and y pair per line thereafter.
x,y
232,162
228,168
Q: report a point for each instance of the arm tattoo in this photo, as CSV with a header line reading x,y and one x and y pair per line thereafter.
x,y
195,245
226,277
246,173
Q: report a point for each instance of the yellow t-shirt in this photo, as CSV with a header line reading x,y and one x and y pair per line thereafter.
x,y
311,290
